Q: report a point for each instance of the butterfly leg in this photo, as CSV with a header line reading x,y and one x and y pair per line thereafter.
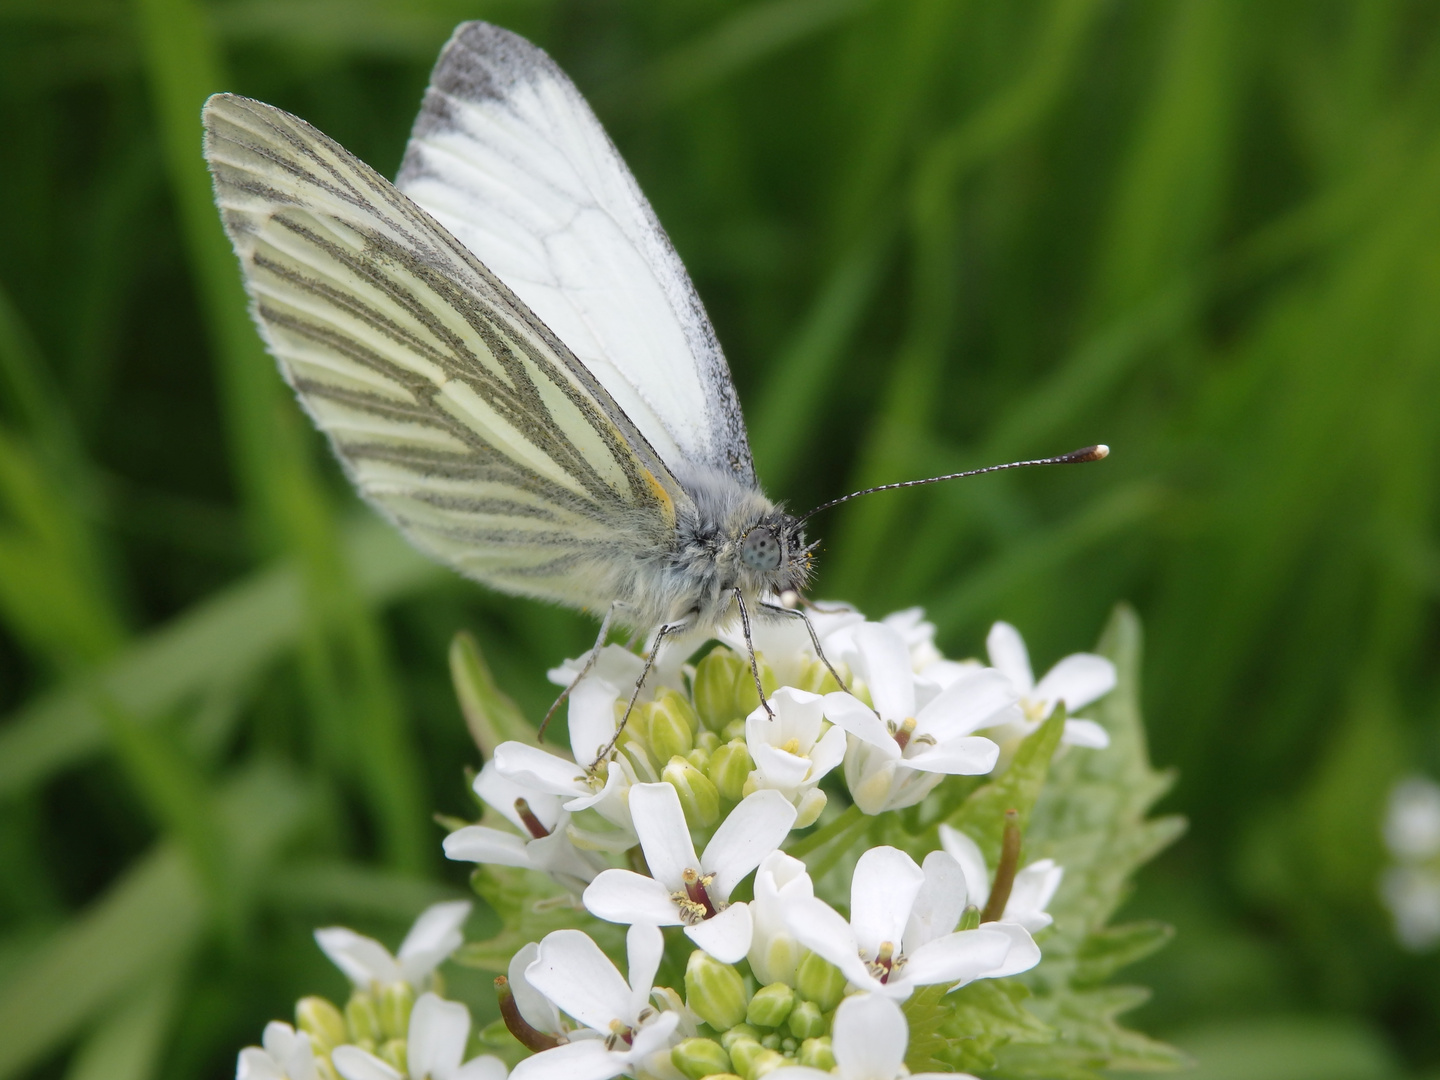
x,y
665,628
749,644
590,659
780,609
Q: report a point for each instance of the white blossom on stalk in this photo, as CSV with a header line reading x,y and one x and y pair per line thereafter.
x,y
284,1054
917,733
627,1034
781,883
791,755
435,935
1412,819
869,1043
543,842
689,891
901,933
434,1049
1411,890
1030,895
1077,680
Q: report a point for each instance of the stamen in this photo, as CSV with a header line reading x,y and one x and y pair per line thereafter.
x,y
537,830
902,736
791,746
619,1033
886,963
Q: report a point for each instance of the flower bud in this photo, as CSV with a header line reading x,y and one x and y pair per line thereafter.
x,y
707,741
730,767
396,1001
970,917
807,810
699,1058
744,1053
698,797
671,727
770,1005
820,981
771,1041
806,1021
324,1070
764,1063
322,1021
699,758
392,1052
736,1033
816,1053
714,991
363,1018
714,688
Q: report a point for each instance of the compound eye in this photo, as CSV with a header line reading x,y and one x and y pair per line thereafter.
x,y
761,549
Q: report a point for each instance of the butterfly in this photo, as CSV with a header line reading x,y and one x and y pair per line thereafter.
x,y
505,351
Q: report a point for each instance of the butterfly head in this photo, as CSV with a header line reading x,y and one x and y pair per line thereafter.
x,y
774,554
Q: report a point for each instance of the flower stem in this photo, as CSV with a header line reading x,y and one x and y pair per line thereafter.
x,y
529,1037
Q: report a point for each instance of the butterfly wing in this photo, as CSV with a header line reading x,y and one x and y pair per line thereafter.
x,y
454,409
509,157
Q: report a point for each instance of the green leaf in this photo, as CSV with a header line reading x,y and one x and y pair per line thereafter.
x,y
491,715
128,1044
982,815
1106,951
962,1030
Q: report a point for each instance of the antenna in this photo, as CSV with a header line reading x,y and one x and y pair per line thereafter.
x,y
1075,457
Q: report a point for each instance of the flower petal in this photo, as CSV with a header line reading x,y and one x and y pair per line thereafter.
x,y
1077,680
959,957
869,1037
624,896
435,935
1031,894
969,755
1085,733
854,716
591,716
436,1039
750,832
827,753
584,1060
484,1067
1009,655
363,959
653,1036
355,1064
538,1010
644,947
1024,954
482,844
572,972
726,936
882,892
967,853
500,792
533,767
779,769
818,927
939,903
664,836
965,706
885,660
253,1063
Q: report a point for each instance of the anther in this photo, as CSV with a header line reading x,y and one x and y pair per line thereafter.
x,y
907,729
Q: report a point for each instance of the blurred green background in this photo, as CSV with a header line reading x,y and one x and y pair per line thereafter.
x,y
932,234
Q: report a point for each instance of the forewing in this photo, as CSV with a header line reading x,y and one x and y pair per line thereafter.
x,y
510,158
454,409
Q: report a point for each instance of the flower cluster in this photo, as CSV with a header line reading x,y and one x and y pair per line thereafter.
x,y
1411,887
733,821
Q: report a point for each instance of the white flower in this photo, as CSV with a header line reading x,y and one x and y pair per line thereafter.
x,y
790,754
286,1055
780,884
917,633
922,732
543,844
869,1043
1412,822
901,932
784,644
686,891
1412,893
1077,680
1034,886
435,935
578,978
434,1047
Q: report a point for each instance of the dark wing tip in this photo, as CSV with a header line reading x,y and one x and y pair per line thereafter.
x,y
484,61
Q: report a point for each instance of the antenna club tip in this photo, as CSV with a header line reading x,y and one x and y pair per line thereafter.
x,y
1088,453
1101,451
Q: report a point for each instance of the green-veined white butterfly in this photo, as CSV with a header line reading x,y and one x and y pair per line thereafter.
x,y
504,349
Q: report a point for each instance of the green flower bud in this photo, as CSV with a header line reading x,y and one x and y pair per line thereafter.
x,y
714,991
730,767
714,688
771,1041
698,797
767,1061
817,1054
322,1021
699,1058
396,1001
820,981
770,1005
363,1018
970,917
735,729
743,1055
808,810
671,727
707,741
324,1070
699,758
736,1033
806,1020
392,1052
